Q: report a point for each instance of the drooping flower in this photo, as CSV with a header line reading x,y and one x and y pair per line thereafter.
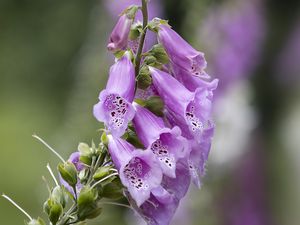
x,y
114,107
191,111
119,37
181,53
159,209
74,158
139,170
167,144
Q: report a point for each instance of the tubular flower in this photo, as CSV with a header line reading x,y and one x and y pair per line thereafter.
x,y
167,144
191,111
139,170
114,107
159,209
181,53
119,37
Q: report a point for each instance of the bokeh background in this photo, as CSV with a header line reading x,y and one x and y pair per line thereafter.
x,y
53,63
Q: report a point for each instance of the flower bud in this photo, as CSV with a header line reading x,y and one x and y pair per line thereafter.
x,y
112,190
87,204
119,37
144,79
55,212
59,195
104,139
160,54
53,209
101,172
68,172
135,31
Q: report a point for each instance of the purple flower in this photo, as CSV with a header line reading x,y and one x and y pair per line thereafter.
x,y
114,107
199,155
119,37
191,111
181,53
167,144
74,158
159,209
192,82
178,186
139,170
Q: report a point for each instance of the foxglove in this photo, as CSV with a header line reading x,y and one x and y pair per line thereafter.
x,y
119,36
181,53
167,144
159,209
191,111
139,170
114,107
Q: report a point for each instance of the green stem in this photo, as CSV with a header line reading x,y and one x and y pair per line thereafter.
x,y
142,39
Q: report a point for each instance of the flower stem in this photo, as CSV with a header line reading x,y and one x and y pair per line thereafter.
x,y
142,39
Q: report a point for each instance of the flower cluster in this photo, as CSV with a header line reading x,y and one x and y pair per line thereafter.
x,y
157,114
156,110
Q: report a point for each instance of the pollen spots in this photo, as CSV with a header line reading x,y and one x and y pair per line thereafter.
x,y
162,153
194,122
137,172
117,107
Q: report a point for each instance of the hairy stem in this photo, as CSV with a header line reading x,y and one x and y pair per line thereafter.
x,y
142,39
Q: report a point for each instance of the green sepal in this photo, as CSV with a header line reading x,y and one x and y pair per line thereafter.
x,y
155,105
135,31
133,139
104,139
56,211
85,159
87,203
131,11
102,172
59,195
159,53
68,172
153,25
144,79
112,190
84,149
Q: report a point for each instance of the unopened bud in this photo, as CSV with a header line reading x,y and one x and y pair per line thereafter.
x,y
144,79
135,31
112,190
160,54
59,195
101,172
68,172
87,205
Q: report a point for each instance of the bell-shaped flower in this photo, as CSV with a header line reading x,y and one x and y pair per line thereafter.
x,y
182,53
199,155
139,170
191,111
192,82
114,107
178,186
119,37
159,209
167,144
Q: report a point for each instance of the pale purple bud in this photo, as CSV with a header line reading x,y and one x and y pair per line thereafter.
x,y
119,37
191,111
167,144
139,170
114,107
74,158
182,53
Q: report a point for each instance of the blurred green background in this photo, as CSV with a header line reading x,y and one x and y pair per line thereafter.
x,y
53,63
